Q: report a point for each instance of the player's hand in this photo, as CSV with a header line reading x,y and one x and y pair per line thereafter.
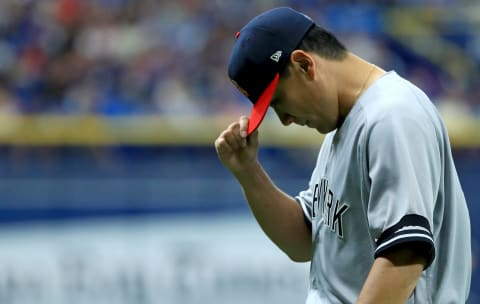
x,y
235,150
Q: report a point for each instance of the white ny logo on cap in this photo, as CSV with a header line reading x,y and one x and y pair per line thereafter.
x,y
276,56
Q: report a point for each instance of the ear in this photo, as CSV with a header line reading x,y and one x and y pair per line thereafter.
x,y
303,62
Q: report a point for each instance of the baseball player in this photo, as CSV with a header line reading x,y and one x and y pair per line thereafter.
x,y
384,218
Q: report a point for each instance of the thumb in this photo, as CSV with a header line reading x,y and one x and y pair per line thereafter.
x,y
252,139
243,126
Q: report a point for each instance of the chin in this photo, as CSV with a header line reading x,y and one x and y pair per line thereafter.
x,y
324,130
320,130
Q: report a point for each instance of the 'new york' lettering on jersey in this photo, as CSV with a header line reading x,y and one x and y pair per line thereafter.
x,y
380,183
330,208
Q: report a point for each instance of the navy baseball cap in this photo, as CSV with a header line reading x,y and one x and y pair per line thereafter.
x,y
262,50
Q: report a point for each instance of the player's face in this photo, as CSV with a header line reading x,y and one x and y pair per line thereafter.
x,y
306,102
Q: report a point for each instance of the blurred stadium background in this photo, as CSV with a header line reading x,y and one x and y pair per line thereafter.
x,y
110,189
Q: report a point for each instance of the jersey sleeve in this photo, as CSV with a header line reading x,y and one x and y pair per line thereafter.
x,y
305,198
305,203
403,172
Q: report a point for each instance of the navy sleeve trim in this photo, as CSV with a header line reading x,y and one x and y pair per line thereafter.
x,y
411,230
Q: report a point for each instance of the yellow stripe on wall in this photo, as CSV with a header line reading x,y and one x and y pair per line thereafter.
x,y
65,130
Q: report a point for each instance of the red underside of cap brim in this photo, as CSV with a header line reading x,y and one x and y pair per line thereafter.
x,y
260,107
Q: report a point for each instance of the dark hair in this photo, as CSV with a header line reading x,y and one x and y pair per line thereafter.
x,y
321,42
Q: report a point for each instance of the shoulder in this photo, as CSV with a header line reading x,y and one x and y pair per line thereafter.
x,y
394,99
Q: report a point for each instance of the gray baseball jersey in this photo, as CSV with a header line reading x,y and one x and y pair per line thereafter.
x,y
386,178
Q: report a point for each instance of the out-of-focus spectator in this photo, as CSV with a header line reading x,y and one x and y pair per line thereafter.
x,y
126,57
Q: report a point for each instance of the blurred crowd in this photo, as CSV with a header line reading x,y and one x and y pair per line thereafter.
x,y
121,57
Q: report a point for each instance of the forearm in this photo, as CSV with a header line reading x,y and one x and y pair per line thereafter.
x,y
280,217
393,278
277,213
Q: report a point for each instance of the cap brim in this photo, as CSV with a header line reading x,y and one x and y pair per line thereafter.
x,y
260,107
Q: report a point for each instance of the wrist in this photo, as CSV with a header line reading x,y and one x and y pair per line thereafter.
x,y
248,174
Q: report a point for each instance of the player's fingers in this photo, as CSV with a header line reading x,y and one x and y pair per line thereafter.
x,y
224,142
222,146
243,126
227,139
233,136
233,139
